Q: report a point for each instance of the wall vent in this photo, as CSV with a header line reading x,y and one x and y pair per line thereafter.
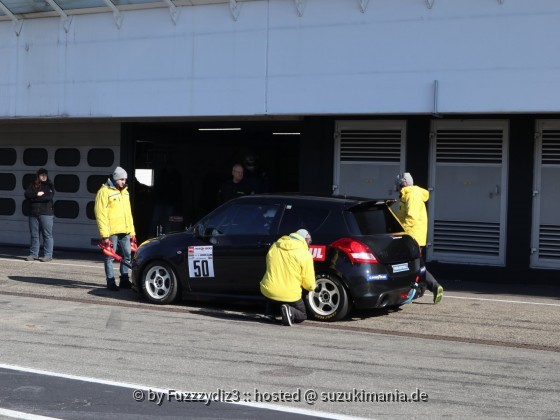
x,y
469,146
370,145
467,238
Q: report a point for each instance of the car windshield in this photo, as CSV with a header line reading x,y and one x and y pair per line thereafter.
x,y
373,220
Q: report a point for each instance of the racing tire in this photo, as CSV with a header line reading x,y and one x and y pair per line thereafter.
x,y
159,283
329,302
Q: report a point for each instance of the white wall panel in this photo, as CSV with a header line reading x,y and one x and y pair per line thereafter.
x,y
486,56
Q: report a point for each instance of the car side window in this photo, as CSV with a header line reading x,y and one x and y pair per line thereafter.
x,y
302,217
240,219
253,219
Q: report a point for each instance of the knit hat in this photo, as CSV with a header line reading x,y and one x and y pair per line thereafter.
x,y
305,235
42,171
405,176
119,173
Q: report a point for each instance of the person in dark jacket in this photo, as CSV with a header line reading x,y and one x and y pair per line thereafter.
x,y
235,187
40,195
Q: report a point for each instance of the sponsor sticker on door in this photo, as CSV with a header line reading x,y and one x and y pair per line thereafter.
x,y
201,261
318,252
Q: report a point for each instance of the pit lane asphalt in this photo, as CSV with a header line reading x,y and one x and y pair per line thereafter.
x,y
508,326
523,316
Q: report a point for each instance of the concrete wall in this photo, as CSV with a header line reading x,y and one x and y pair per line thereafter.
x,y
334,59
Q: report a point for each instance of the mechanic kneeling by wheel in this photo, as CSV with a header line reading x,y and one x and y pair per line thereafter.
x,y
289,268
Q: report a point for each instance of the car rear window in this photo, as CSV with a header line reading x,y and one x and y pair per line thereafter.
x,y
373,220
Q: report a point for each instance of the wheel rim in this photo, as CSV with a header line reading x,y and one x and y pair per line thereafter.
x,y
158,282
326,299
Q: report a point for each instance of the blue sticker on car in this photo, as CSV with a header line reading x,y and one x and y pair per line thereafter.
x,y
374,277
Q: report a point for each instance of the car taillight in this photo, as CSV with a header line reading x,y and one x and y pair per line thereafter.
x,y
357,251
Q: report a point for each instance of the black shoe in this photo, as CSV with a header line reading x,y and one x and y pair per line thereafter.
x,y
111,285
286,315
45,259
30,258
125,283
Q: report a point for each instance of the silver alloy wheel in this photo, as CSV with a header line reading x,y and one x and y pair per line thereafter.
x,y
157,281
327,300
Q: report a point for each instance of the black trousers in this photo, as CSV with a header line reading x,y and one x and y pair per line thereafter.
x,y
298,309
430,280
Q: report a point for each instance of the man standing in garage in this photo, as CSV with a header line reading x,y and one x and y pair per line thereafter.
x,y
412,214
115,224
289,268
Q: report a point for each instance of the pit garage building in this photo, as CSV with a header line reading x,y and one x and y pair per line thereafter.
x,y
330,96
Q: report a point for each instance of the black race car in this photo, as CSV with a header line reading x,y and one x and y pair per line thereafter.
x,y
363,258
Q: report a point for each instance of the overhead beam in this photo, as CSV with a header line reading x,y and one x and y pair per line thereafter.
x,y
66,20
173,11
18,23
234,8
364,5
299,7
117,14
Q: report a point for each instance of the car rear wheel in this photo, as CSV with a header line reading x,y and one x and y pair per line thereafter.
x,y
329,301
159,283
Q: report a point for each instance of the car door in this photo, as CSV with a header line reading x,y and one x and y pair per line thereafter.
x,y
240,235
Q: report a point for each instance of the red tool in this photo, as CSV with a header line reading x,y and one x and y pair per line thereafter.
x,y
107,249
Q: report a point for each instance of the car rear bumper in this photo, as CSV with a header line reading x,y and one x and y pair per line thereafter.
x,y
375,299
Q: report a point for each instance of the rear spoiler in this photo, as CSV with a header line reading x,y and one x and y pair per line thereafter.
x,y
373,203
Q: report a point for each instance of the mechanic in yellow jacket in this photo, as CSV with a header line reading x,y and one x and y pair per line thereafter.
x,y
116,227
289,269
412,214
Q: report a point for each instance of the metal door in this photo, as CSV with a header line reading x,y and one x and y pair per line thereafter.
x,y
545,248
468,180
368,156
79,157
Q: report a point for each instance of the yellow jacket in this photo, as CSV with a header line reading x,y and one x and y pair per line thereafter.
x,y
289,268
412,213
112,211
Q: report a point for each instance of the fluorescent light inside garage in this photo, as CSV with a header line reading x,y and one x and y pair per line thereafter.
x,y
286,134
221,129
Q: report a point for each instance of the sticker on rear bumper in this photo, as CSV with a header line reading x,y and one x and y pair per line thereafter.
x,y
201,261
398,268
374,277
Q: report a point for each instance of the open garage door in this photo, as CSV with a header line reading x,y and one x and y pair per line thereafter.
x,y
545,248
188,163
468,179
368,156
79,157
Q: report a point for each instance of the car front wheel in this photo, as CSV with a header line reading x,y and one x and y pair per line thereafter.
x,y
329,301
159,283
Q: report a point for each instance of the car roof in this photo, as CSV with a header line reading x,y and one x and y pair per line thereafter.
x,y
344,201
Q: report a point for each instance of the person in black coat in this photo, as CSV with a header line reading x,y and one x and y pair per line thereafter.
x,y
235,187
40,195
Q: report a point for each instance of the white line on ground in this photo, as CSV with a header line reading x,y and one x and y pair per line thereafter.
x,y
502,301
52,262
20,415
266,406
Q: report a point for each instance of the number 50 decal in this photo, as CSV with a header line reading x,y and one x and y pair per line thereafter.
x,y
201,261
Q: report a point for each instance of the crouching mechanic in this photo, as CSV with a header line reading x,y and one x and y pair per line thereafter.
x,y
289,268
116,227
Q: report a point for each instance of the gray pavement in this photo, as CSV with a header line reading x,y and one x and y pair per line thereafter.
x,y
483,354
